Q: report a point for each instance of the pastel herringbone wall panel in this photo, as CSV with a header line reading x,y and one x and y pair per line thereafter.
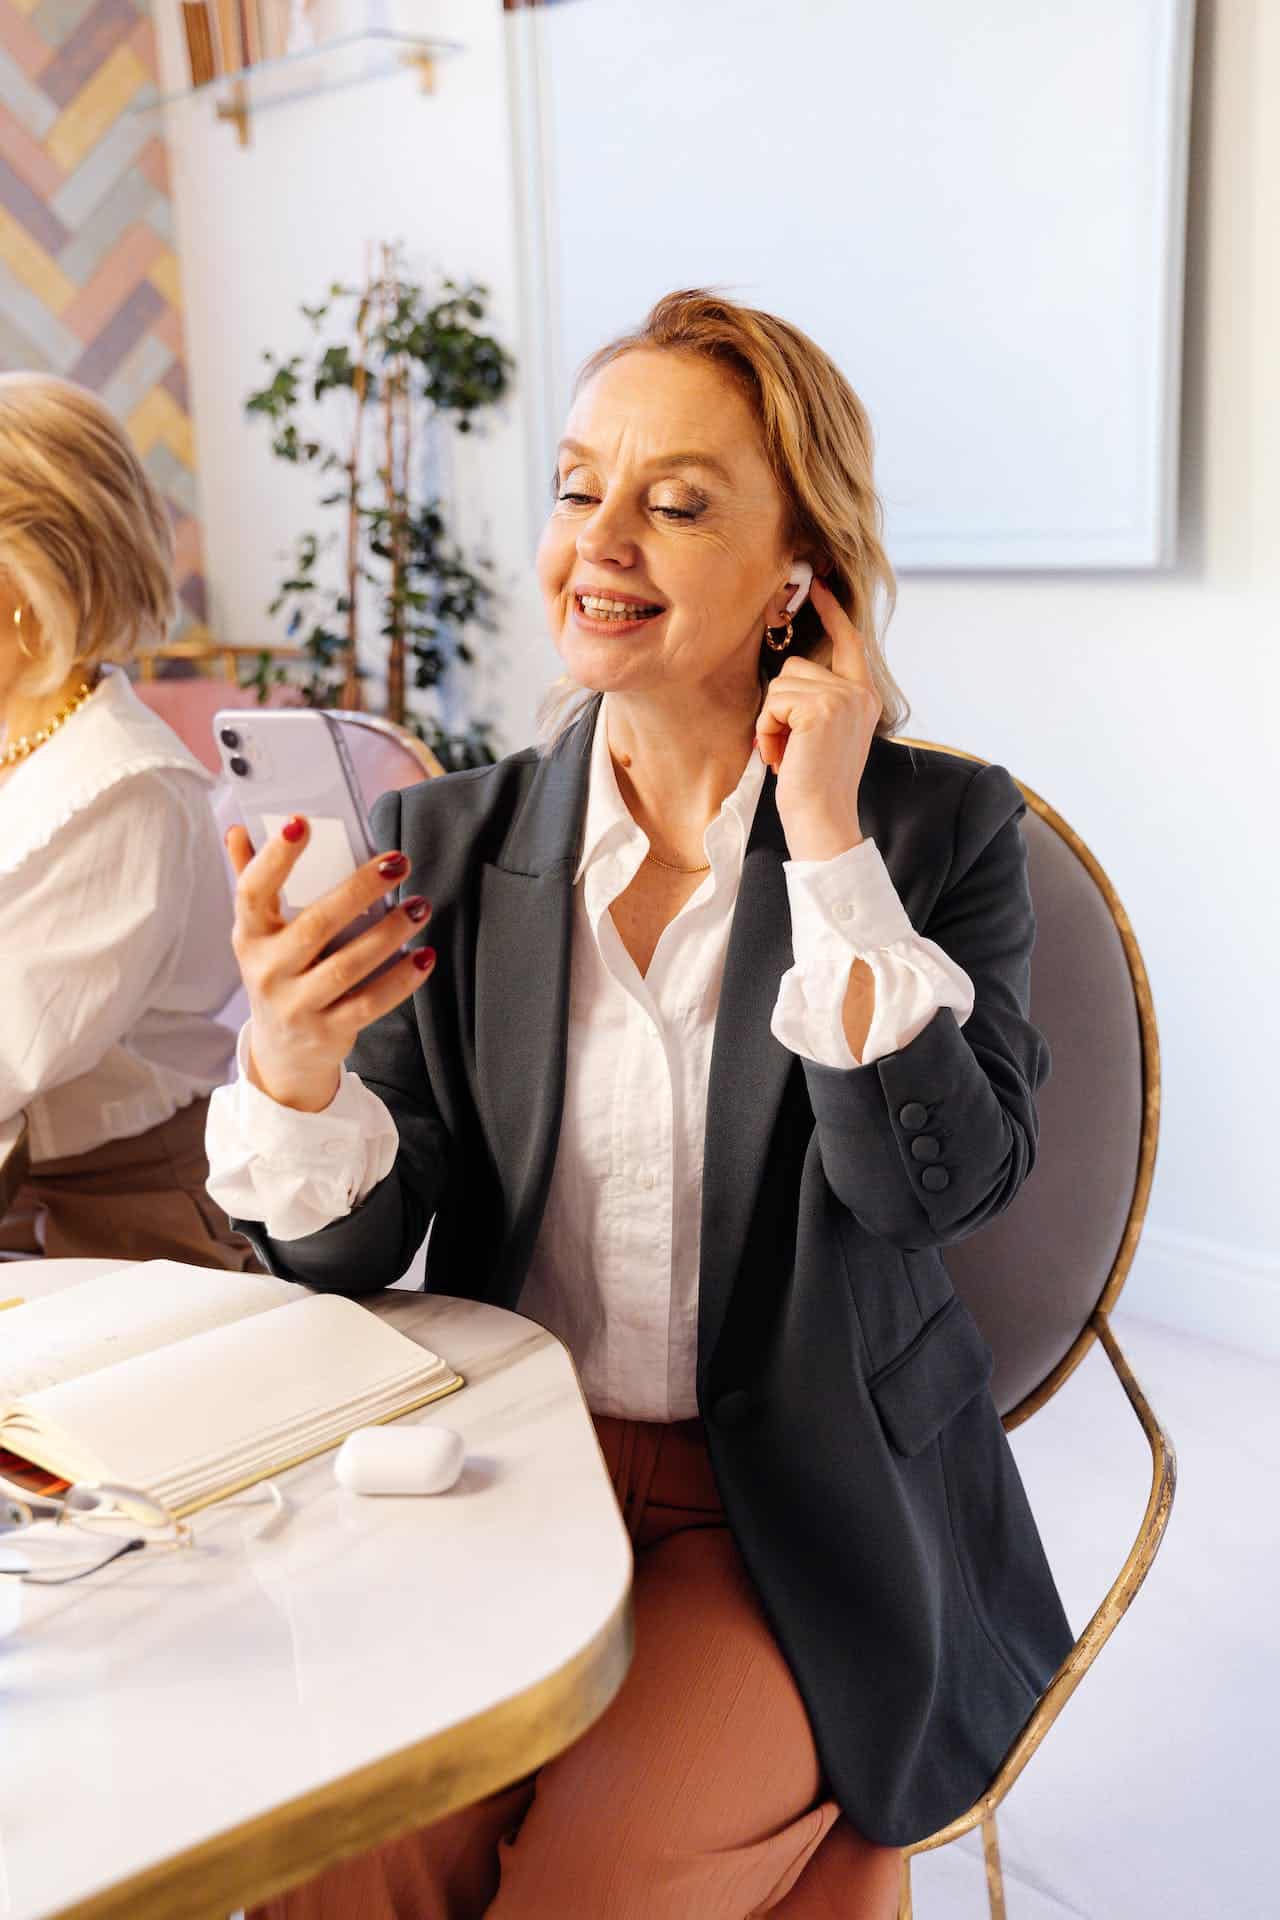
x,y
89,282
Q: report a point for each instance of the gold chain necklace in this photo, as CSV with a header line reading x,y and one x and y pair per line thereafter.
x,y
672,868
28,743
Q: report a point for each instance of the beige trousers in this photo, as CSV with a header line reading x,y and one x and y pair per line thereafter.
x,y
138,1199
697,1796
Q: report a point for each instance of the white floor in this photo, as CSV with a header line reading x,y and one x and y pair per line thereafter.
x,y
1156,1794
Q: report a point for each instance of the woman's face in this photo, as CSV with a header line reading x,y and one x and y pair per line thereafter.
x,y
667,507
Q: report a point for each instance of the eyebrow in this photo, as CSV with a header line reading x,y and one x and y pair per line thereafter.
x,y
691,459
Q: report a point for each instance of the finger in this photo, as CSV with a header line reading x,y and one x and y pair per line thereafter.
x,y
369,1002
322,985
239,849
848,649
261,878
311,930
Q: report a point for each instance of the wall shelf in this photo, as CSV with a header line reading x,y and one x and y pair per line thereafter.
x,y
333,66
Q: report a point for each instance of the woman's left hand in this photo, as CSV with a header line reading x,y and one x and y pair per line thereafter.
x,y
815,730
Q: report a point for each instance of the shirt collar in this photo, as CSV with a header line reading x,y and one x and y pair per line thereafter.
x,y
107,739
607,825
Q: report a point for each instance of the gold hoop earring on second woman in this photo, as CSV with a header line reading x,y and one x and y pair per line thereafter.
x,y
779,646
23,648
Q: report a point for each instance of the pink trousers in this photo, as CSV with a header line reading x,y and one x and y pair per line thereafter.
x,y
698,1795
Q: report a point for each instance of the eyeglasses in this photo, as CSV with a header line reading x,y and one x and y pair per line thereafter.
x,y
81,1521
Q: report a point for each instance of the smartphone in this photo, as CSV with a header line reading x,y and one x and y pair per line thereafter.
x,y
279,761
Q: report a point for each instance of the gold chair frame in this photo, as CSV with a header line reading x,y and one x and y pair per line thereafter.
x,y
199,647
1097,1328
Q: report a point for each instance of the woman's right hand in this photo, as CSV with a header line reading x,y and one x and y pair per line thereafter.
x,y
305,1011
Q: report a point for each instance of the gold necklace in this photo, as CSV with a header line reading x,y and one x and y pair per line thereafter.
x,y
672,868
28,743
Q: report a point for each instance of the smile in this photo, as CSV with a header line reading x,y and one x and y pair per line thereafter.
x,y
601,610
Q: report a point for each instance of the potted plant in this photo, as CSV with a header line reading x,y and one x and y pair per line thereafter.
x,y
411,358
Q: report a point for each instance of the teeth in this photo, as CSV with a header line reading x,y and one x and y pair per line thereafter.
x,y
602,609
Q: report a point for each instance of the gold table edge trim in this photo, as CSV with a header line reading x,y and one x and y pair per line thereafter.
x,y
417,1784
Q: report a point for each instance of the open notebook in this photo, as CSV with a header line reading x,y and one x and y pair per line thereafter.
x,y
190,1383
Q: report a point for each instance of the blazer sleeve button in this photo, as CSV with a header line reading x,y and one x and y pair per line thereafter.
x,y
925,1147
731,1409
913,1116
935,1179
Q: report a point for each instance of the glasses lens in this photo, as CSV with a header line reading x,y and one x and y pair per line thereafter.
x,y
87,1500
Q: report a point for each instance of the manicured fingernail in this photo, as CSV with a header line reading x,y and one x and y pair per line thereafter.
x,y
417,908
294,829
394,867
424,957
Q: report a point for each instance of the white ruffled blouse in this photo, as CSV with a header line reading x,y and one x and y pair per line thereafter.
x,y
115,929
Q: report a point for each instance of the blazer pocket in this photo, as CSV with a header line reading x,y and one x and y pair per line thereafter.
x,y
928,1383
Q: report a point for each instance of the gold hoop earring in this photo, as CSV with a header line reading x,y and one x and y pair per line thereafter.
x,y
23,648
779,646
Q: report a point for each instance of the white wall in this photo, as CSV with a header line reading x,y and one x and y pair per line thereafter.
x,y
265,228
1142,707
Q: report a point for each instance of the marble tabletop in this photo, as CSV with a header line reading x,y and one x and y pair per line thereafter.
x,y
182,1734
13,1158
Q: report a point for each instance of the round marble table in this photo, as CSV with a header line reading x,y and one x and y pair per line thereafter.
x,y
184,1734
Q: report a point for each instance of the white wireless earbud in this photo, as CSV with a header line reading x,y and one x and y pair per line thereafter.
x,y
802,573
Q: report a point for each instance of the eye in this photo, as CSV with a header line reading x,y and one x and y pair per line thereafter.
x,y
577,498
676,513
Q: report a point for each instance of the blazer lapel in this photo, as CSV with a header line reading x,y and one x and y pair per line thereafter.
x,y
522,988
749,1071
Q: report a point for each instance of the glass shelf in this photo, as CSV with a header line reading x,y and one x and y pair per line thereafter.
x,y
350,60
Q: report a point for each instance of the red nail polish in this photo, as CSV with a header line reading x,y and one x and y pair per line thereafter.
x,y
394,867
294,829
424,957
417,908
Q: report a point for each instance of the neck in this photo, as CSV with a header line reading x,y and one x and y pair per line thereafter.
x,y
26,713
677,760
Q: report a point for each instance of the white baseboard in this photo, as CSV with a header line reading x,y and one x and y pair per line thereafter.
x,y
1206,1287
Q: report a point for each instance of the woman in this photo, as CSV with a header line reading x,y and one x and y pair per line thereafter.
x,y
686,1085
115,906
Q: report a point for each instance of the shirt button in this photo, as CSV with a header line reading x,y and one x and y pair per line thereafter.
x,y
925,1147
844,911
648,1179
935,1179
913,1116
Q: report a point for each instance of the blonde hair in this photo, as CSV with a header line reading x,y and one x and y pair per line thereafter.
x,y
818,441
84,534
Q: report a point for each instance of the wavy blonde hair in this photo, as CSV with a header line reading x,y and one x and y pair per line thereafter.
x,y
84,535
818,442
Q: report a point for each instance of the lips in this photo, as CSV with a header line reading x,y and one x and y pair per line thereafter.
x,y
599,609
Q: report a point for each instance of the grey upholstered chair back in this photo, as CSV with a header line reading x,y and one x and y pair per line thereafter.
x,y
1035,1275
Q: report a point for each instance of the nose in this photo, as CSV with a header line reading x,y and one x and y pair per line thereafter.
x,y
607,539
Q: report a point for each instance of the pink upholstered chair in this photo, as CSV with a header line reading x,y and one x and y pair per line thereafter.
x,y
188,706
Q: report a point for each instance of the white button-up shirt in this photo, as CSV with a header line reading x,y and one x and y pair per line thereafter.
x,y
115,929
615,1267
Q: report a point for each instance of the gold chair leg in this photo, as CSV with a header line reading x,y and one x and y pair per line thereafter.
x,y
904,1889
995,1877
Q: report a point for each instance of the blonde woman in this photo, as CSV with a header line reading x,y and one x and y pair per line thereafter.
x,y
724,1037
115,906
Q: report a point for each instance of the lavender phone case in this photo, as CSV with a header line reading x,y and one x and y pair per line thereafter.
x,y
282,761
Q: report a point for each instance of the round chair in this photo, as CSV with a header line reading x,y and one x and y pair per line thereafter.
x,y
1042,1278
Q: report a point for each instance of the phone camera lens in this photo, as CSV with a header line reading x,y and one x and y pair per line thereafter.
x,y
229,737
239,765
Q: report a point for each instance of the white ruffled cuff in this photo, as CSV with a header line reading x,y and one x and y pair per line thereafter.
x,y
296,1172
845,909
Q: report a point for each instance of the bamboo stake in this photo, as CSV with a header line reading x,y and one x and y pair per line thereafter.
x,y
351,697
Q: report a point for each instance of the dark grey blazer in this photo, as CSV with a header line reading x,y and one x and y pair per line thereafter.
x,y
864,1470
